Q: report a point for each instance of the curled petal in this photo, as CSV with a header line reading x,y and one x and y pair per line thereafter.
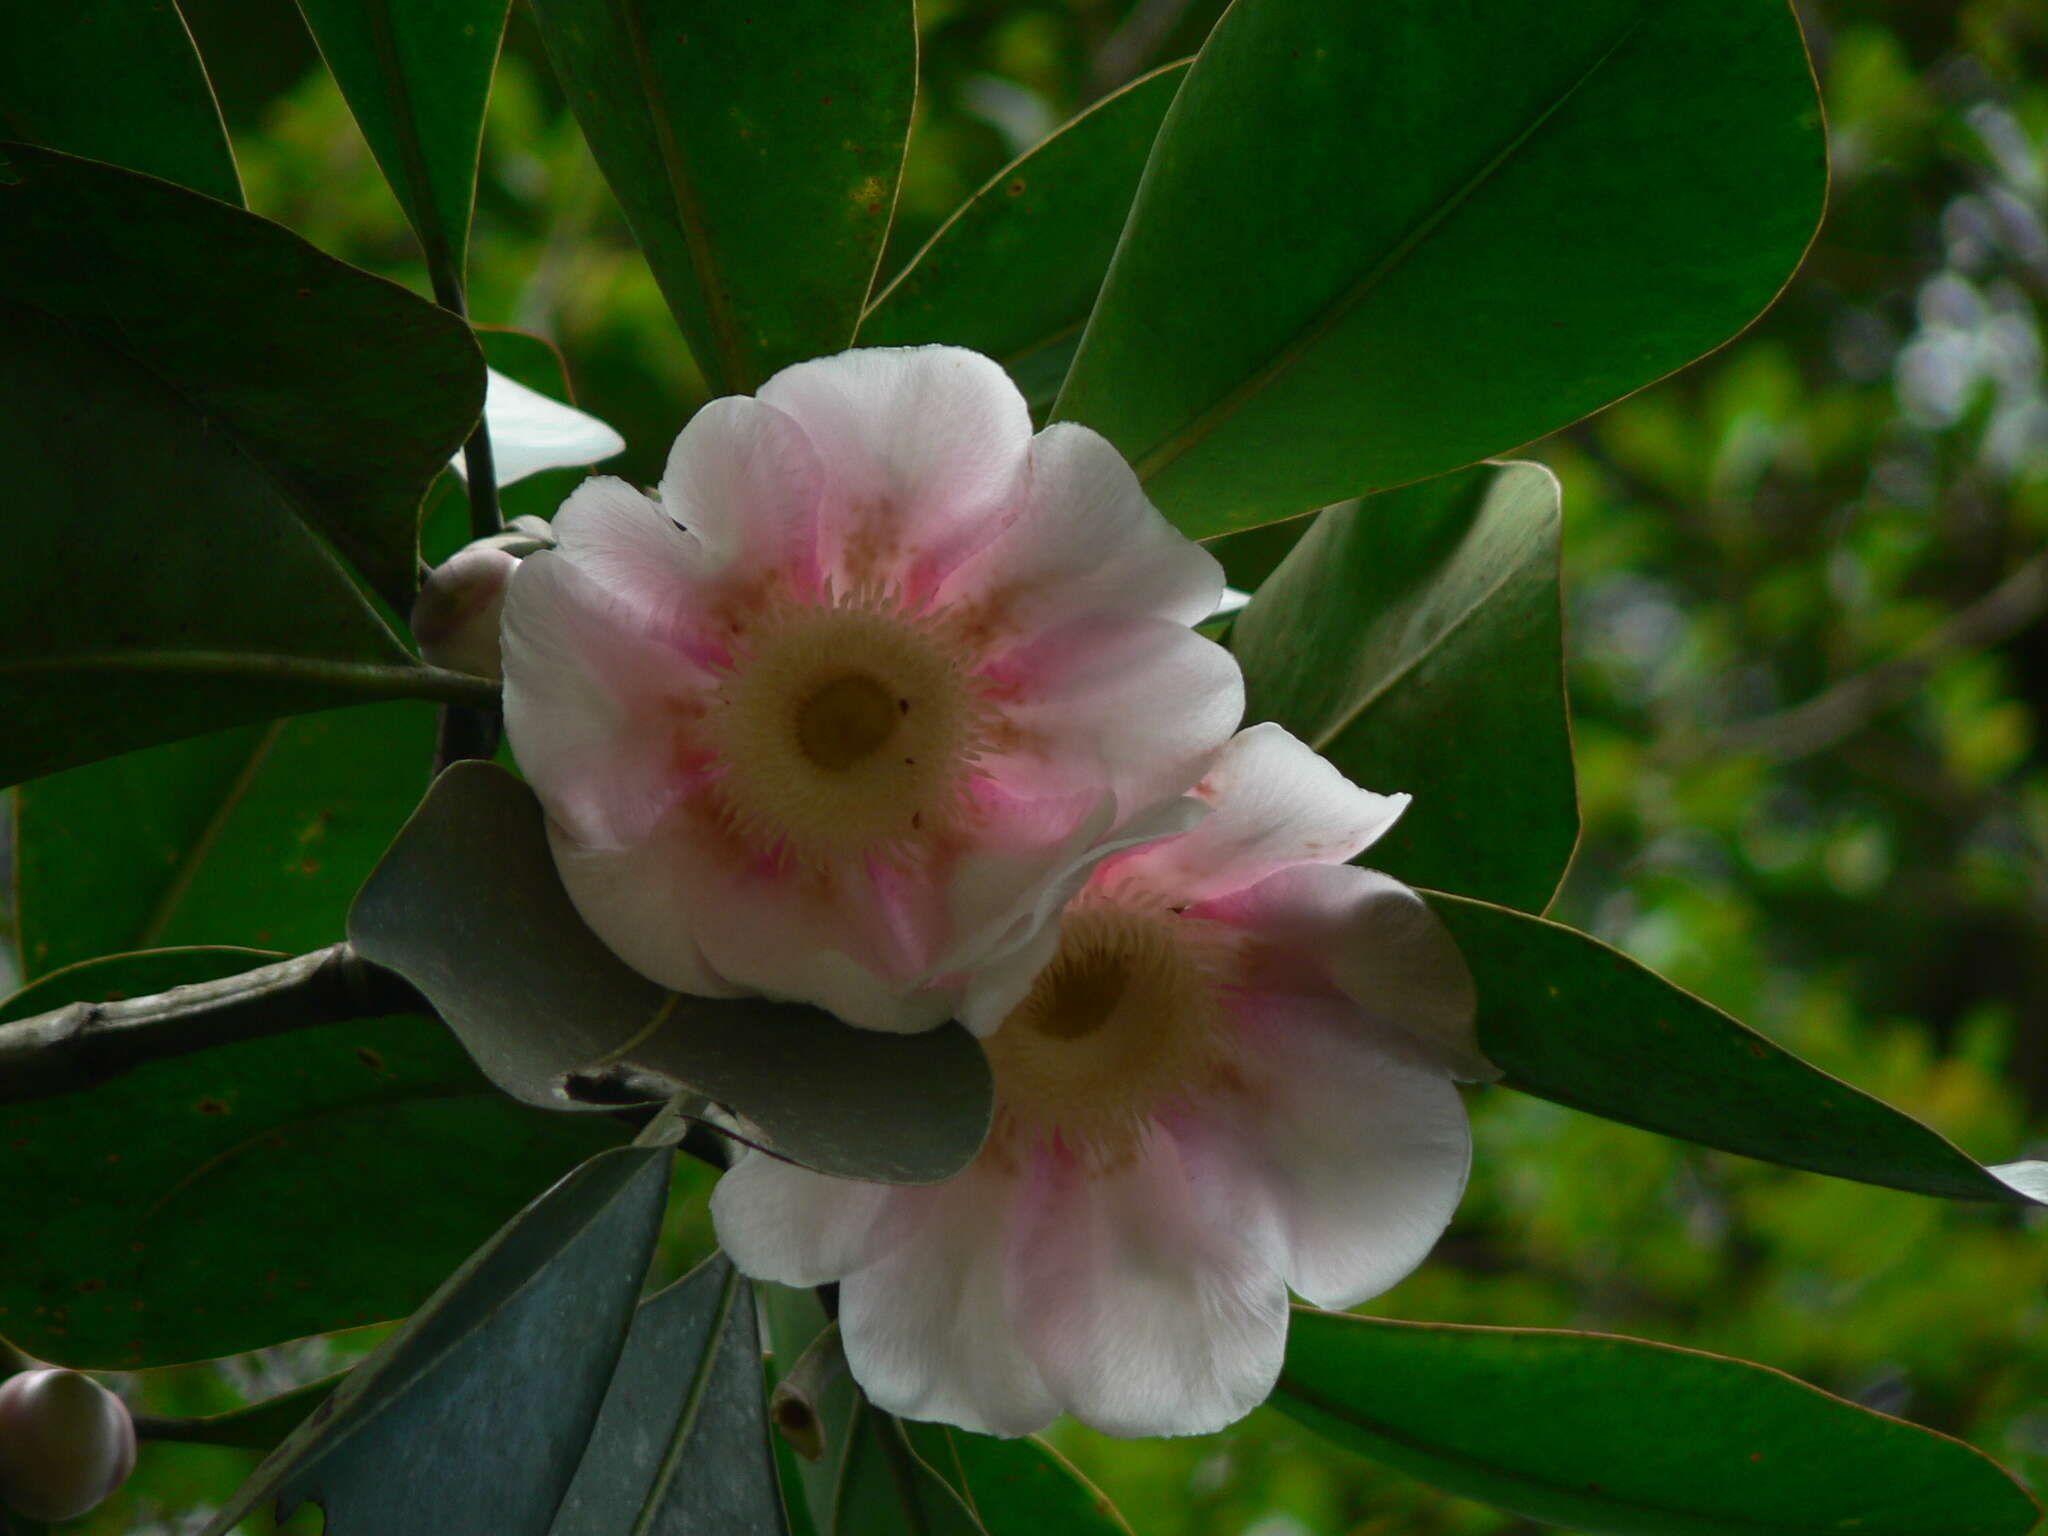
x,y
927,1326
745,480
1274,803
925,447
1343,1149
1143,1318
1374,940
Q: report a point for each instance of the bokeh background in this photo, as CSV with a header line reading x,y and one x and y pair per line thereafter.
x,y
1806,582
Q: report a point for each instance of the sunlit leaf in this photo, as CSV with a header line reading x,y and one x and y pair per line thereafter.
x,y
1414,639
116,81
1572,1020
238,1196
1612,1435
473,1417
207,422
468,908
417,74
755,151
1014,273
1378,242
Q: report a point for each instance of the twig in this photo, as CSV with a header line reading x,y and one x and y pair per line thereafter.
x,y
1850,705
84,1044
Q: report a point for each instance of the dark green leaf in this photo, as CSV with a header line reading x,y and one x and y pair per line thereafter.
x,y
1415,640
1605,1434
116,81
234,1197
1570,1019
681,1445
795,1322
474,1415
885,1489
468,908
258,1427
255,836
1378,242
1014,273
755,150
206,419
417,74
1016,1487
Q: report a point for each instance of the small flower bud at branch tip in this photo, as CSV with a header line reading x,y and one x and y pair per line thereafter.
x,y
66,1442
455,617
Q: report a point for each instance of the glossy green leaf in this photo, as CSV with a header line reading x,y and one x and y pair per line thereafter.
x,y
1569,1019
206,422
680,1447
116,81
885,1488
1613,1435
417,74
468,908
234,1197
1378,242
473,1417
1014,273
1415,640
256,836
755,151
1015,1487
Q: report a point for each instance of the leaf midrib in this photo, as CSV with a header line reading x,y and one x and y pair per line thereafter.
x,y
1163,453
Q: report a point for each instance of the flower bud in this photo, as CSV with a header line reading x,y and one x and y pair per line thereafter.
x,y
66,1442
455,617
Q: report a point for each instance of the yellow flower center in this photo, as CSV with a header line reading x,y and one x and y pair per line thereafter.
x,y
1127,1019
846,727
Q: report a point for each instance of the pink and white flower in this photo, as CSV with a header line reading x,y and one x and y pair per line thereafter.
x,y
859,697
1234,1077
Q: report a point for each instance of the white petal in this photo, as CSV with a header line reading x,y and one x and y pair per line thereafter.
x,y
1087,542
625,544
2029,1178
1230,602
1374,940
787,1224
928,1326
643,907
1275,803
1345,1150
587,693
1143,1318
530,432
1135,706
923,449
745,480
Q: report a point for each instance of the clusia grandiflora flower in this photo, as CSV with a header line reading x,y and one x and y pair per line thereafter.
x,y
859,697
1233,1077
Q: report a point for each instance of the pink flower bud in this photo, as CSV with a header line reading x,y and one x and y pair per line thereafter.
x,y
66,1442
455,617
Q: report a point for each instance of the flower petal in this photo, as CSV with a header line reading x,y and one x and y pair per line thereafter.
x,y
1144,1318
928,1327
1344,1147
746,481
589,702
1087,542
1275,803
1371,938
923,448
530,432
634,899
790,1225
1137,706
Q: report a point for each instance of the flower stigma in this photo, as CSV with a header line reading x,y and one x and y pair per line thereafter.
x,y
847,727
1127,1019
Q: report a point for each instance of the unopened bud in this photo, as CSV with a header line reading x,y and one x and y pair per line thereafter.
x,y
66,1442
455,617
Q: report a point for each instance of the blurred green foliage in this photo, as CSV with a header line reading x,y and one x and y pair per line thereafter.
x,y
1809,665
